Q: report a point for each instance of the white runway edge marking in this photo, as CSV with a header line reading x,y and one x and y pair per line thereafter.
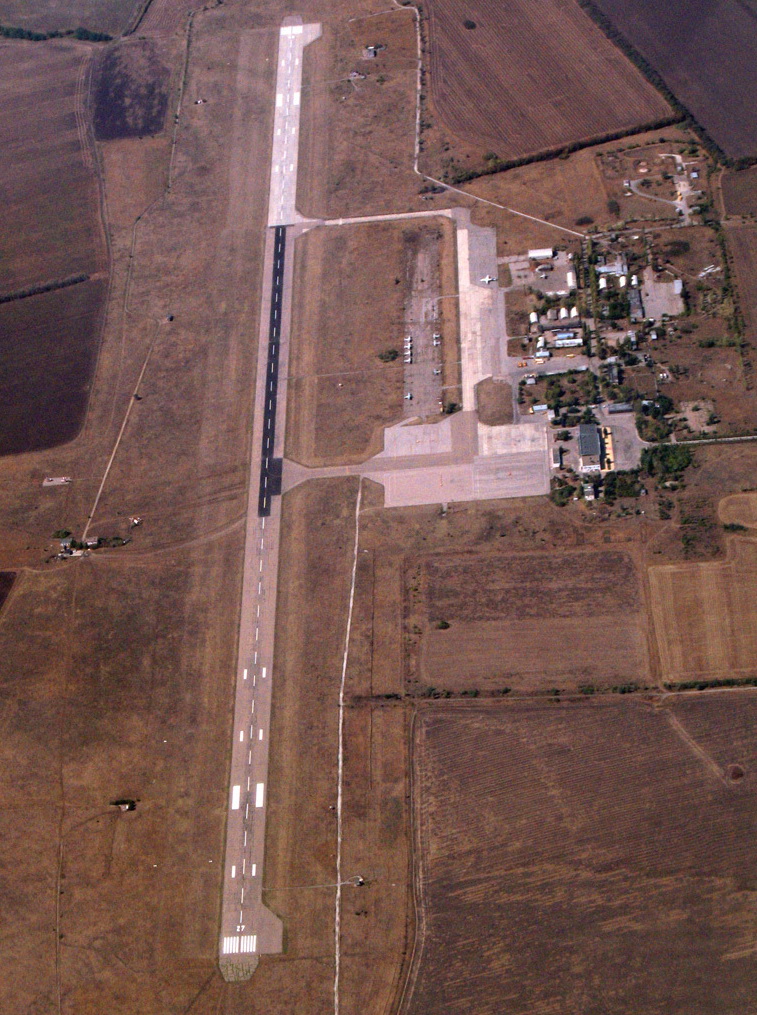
x,y
234,870
235,797
259,794
340,758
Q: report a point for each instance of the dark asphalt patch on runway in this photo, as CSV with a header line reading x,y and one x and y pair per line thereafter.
x,y
270,467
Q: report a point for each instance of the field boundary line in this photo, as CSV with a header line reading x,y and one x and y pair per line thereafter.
x,y
680,730
177,114
340,757
132,399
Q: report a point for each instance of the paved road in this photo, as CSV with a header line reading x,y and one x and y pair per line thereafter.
x,y
248,928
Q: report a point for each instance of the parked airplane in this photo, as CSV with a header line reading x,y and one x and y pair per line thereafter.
x,y
488,279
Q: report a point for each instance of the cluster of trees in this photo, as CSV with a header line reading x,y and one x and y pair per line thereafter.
x,y
44,287
84,34
458,174
666,461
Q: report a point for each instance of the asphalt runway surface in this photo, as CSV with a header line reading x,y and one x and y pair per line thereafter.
x,y
270,466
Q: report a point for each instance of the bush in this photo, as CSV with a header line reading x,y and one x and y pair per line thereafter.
x,y
388,355
442,625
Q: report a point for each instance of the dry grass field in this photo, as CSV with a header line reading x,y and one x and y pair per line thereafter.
x,y
689,45
355,284
356,146
487,88
704,616
739,509
584,857
110,16
497,620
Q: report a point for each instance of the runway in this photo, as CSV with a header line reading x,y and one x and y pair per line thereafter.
x,y
248,928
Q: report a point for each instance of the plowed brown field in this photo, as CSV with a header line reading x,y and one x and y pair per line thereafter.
x,y
704,50
531,75
591,857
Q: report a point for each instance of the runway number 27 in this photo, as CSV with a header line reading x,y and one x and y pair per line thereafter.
x,y
240,928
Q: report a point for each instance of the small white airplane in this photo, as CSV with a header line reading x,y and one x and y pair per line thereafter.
x,y
488,279
409,397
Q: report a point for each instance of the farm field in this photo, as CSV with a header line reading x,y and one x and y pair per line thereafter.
x,y
341,394
498,620
48,342
704,616
740,192
589,856
109,16
48,351
486,91
50,190
689,44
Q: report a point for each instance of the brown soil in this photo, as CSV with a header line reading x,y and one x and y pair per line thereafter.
x,y
487,89
494,402
559,838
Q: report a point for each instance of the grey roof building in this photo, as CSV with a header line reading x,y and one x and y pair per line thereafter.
x,y
589,447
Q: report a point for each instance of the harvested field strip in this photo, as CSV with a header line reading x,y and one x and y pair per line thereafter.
x,y
555,839
704,616
488,92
